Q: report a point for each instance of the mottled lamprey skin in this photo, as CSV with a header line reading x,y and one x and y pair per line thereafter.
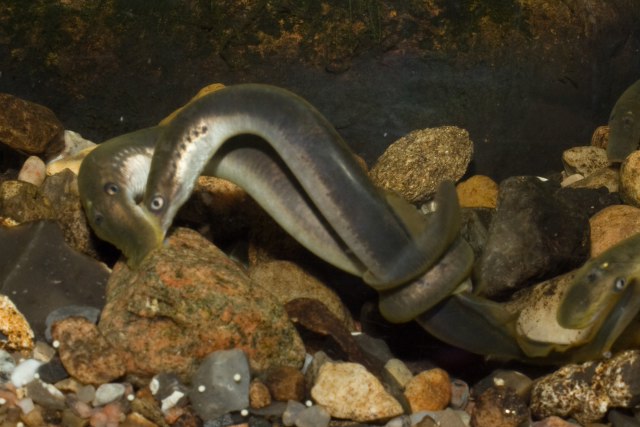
x,y
624,124
293,163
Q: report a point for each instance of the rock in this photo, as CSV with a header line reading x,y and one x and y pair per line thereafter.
x,y
612,225
259,396
285,383
587,391
7,365
429,391
292,412
348,391
90,313
24,202
587,200
34,257
499,407
15,331
534,235
608,177
28,127
553,422
414,165
62,190
25,372
313,416
584,160
107,393
188,299
85,353
600,137
517,381
220,384
479,191
399,371
74,145
287,281
46,395
459,394
52,371
33,171
630,179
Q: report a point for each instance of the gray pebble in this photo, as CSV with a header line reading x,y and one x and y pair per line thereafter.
x,y
7,365
314,416
46,395
220,384
86,393
108,393
292,412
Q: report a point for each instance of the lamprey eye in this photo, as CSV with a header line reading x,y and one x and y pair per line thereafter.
x,y
156,203
98,219
110,188
619,284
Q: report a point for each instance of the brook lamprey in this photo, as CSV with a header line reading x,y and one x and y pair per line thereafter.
x,y
624,124
300,171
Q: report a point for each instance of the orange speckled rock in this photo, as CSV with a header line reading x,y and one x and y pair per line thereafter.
x,y
429,391
479,191
29,127
188,299
15,327
612,225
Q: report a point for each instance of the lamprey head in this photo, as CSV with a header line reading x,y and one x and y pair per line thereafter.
x,y
599,285
111,183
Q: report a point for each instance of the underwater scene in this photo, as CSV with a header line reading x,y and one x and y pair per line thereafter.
x,y
319,213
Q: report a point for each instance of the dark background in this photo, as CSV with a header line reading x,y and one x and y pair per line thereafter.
x,y
527,78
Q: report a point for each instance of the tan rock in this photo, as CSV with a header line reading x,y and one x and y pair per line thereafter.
x,y
414,165
612,225
499,407
399,371
600,137
584,160
32,171
259,395
24,202
29,127
288,281
188,299
429,391
479,191
13,325
349,391
608,177
630,179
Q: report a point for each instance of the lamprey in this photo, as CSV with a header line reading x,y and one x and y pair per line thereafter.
x,y
624,124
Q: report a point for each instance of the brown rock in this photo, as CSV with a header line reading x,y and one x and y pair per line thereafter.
x,y
584,160
287,281
612,225
553,422
429,391
84,352
28,127
24,202
188,299
259,395
608,177
630,179
134,419
285,383
600,137
499,407
414,165
479,191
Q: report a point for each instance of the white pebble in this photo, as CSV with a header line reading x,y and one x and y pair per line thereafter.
x,y
202,388
244,412
33,171
108,393
55,344
26,405
25,372
237,378
131,397
171,400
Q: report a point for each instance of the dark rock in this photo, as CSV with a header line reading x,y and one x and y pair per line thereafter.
x,y
534,235
168,390
285,383
619,419
52,371
85,353
28,127
46,395
588,200
188,299
499,407
42,273
220,384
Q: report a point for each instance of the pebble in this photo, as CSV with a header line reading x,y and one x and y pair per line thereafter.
x,y
32,171
429,391
499,407
417,163
399,371
52,371
259,396
169,390
459,394
608,178
107,393
348,390
25,372
313,416
612,225
15,330
630,179
292,412
220,384
600,137
7,366
517,381
86,393
479,191
45,394
584,160
90,313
